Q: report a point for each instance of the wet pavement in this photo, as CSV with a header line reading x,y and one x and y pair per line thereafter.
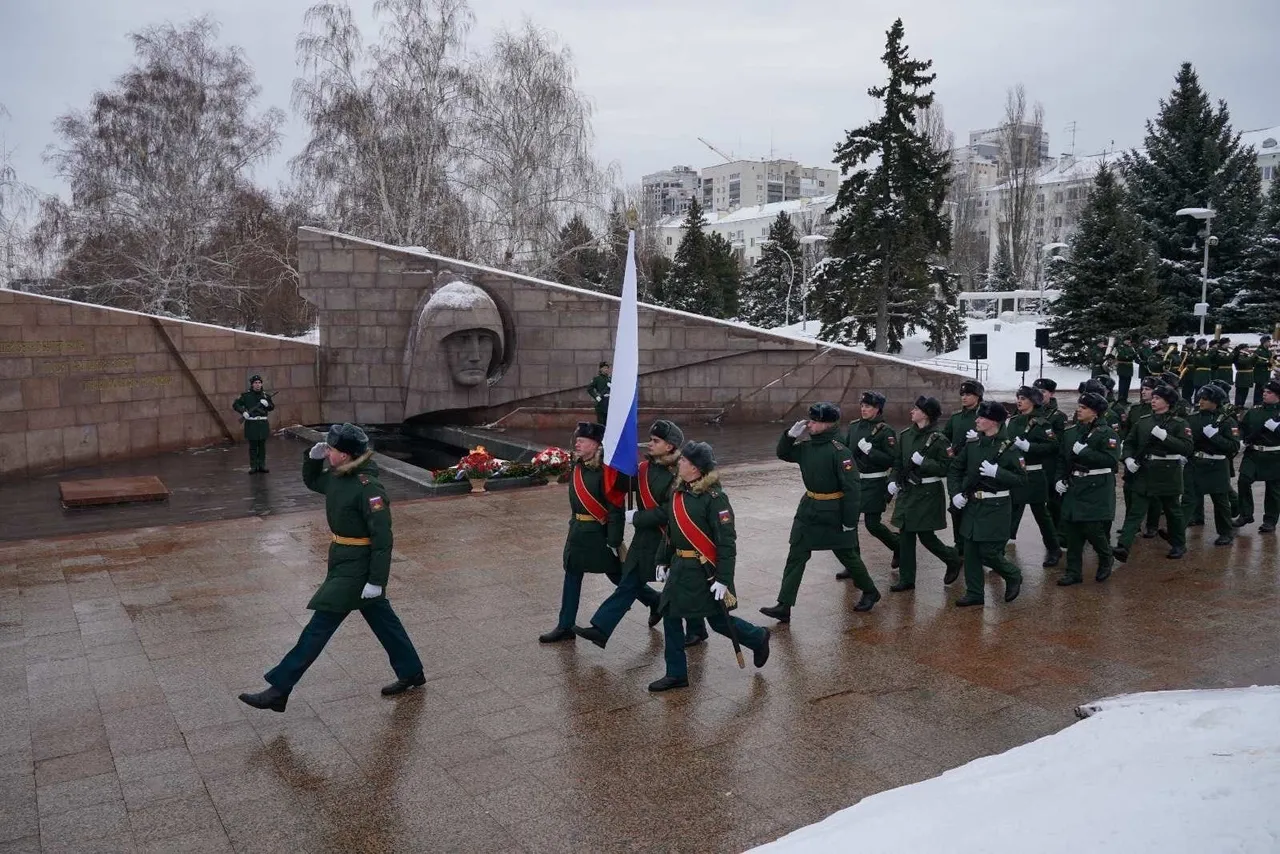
x,y
121,655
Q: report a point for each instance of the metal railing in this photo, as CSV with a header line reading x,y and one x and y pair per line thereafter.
x,y
959,367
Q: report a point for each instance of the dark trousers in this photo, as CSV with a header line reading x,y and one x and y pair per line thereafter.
x,y
257,454
571,594
1257,392
749,635
614,608
877,529
798,557
1153,509
1270,499
955,530
1242,392
1135,512
907,553
386,627
1122,386
1096,534
1040,512
978,555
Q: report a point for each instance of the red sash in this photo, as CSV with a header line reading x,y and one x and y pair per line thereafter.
x,y
646,492
588,501
699,540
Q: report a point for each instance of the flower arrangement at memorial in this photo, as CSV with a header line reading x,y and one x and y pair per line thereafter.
x,y
479,464
552,462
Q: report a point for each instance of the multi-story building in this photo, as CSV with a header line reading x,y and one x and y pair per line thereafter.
x,y
746,227
668,193
1012,145
744,183
1266,143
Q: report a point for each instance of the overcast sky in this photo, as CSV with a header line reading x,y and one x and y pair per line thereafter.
x,y
751,76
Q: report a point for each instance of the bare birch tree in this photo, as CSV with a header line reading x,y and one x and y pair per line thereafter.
x,y
18,203
1020,138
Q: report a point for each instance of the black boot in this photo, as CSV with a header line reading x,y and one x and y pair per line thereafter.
x,y
264,470
1241,521
967,601
844,575
655,616
1011,589
1068,580
761,655
556,635
1104,571
1052,558
868,600
692,639
592,634
272,699
1148,533
1164,535
1224,540
953,572
1266,527
779,612
666,683
1121,553
893,564
1176,553
401,685
901,588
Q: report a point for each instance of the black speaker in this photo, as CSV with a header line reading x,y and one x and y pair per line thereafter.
x,y
1021,361
978,346
1042,338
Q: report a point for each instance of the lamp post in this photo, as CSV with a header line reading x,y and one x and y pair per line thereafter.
x,y
791,284
808,240
1206,214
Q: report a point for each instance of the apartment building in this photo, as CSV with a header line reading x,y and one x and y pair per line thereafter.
x,y
746,227
668,193
744,183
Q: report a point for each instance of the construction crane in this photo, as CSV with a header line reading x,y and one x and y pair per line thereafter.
x,y
727,158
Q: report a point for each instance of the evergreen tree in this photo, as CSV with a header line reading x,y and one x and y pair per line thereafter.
x,y
1109,284
1257,301
704,278
775,276
890,220
1194,159
579,261
942,319
1000,277
723,281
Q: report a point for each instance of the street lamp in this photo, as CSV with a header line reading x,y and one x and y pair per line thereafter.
x,y
808,240
792,283
1206,214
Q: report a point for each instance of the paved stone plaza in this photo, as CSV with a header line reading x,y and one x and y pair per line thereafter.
x,y
121,655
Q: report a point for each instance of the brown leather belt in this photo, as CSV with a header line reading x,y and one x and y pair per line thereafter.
x,y
824,496
352,541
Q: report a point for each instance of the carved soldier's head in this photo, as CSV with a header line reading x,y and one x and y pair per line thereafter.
x,y
465,321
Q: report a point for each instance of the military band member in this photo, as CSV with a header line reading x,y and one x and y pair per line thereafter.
x,y
697,566
359,516
595,528
1243,359
1090,454
827,518
979,482
1144,354
960,428
1185,368
1216,438
599,392
1155,450
919,491
1034,436
1222,359
253,407
1202,362
1260,432
1126,353
1261,368
874,446
1100,363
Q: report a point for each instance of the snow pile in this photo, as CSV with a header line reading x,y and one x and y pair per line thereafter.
x,y
1007,336
458,295
1159,772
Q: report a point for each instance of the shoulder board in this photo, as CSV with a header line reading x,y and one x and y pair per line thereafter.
x,y
714,493
364,478
877,428
837,443
1146,415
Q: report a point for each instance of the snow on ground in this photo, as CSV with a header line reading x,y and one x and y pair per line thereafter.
x,y
1163,772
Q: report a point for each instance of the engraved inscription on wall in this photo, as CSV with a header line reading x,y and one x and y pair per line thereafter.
x,y
88,366
126,382
41,348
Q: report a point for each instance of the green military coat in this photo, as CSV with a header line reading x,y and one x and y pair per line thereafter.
x,y
687,592
1222,360
1057,418
1259,464
1261,366
257,428
642,553
986,520
1091,491
826,467
1041,458
598,390
1202,367
1145,356
874,468
958,427
1244,361
356,506
1125,354
1116,411
1211,463
921,503
590,546
1158,477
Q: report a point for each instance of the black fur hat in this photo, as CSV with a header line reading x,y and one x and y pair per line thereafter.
x,y
1166,393
348,438
929,406
1273,386
873,398
972,387
1033,394
1150,381
1094,401
589,430
668,432
1093,386
825,413
993,411
1212,393
1169,378
255,379
1045,384
700,454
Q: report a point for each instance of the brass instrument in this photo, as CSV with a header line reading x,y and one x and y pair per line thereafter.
x,y
1184,367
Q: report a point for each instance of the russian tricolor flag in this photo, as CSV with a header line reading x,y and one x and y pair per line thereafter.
x,y
621,434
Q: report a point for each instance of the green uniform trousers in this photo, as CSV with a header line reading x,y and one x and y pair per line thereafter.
x,y
798,557
1153,510
991,554
257,454
1193,507
1044,519
907,553
878,529
1270,499
1096,534
1170,505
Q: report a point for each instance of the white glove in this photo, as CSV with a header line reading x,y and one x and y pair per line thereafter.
x,y
718,590
959,501
318,451
1061,487
1078,448
1130,464
988,469
893,487
615,551
660,572
972,434
1160,433
847,529
264,402
797,429
1209,431
1022,444
1271,424
371,591
245,415
864,446
631,517
917,458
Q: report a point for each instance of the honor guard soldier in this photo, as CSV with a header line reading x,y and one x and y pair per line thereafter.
x,y
697,566
253,407
919,492
1260,432
960,428
1126,353
827,518
1139,409
1154,452
1216,437
599,392
359,516
979,482
1058,421
1090,456
1034,436
874,446
595,528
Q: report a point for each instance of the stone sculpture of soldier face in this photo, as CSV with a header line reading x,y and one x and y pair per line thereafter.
x,y
470,353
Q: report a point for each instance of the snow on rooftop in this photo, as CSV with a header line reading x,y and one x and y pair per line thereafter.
x,y
755,211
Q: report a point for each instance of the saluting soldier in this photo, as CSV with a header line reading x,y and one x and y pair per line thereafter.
x,y
359,516
1261,459
1155,451
874,446
697,565
595,528
1090,455
827,518
1034,436
1216,438
1058,421
599,392
960,428
979,481
920,494
1126,353
253,407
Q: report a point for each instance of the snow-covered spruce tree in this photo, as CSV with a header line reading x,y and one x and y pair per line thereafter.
x,y
763,299
1108,285
1256,304
942,319
704,278
891,221
1194,159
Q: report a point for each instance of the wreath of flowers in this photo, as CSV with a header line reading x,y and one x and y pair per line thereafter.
x,y
479,464
552,461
